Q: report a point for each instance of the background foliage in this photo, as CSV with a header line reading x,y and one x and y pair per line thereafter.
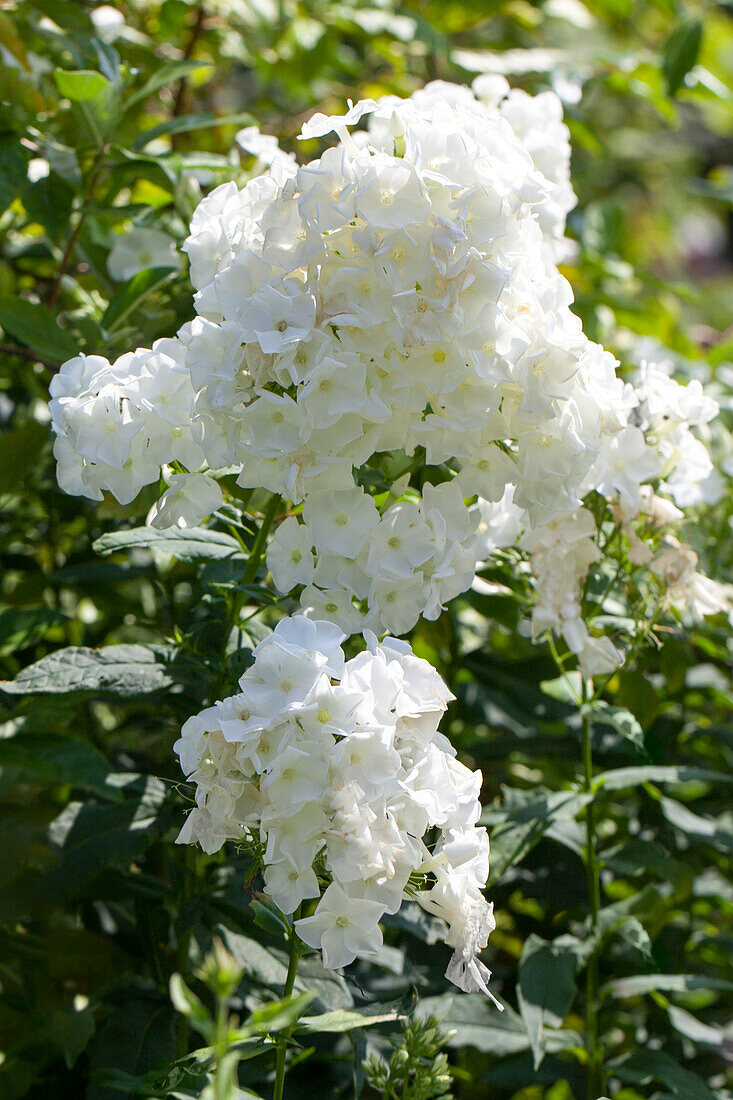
x,y
105,126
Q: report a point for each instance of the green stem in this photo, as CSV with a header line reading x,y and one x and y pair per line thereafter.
x,y
595,1075
258,546
282,1042
184,946
94,180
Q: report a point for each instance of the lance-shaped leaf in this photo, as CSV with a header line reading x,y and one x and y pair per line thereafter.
x,y
124,670
192,544
546,989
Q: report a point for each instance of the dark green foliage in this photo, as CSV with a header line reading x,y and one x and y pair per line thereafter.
x,y
112,633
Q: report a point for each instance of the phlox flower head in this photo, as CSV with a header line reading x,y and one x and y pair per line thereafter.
x,y
338,769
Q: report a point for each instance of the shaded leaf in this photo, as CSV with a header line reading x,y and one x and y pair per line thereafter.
x,y
36,327
692,1028
90,837
19,451
623,778
702,828
129,296
642,1067
164,74
182,124
81,85
192,544
546,989
13,168
48,201
48,758
639,984
681,53
21,627
623,722
125,670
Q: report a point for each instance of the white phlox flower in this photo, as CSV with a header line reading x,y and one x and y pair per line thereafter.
x,y
140,249
399,292
338,769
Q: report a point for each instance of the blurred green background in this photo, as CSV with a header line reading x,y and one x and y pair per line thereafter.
x,y
97,905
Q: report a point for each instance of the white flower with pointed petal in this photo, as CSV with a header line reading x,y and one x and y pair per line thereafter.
x,y
290,555
342,927
188,500
140,249
288,884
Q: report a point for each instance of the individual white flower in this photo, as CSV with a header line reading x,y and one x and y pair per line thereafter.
x,y
333,604
340,520
188,500
687,589
288,885
108,22
624,464
342,927
402,542
290,555
140,249
278,315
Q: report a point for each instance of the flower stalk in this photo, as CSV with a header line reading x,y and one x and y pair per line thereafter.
x,y
595,1074
282,1042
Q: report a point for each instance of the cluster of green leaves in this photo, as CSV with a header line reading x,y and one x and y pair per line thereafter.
x,y
111,634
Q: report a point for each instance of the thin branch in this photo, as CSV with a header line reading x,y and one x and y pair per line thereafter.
x,y
196,32
27,353
70,244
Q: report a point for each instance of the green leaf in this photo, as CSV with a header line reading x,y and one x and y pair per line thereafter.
x,y
546,989
70,1032
268,917
622,778
692,1028
124,670
131,294
192,544
21,627
642,1067
681,53
80,86
187,1073
256,961
19,454
187,1003
48,759
278,1014
49,201
517,829
14,159
702,828
475,1022
138,1035
67,14
639,984
183,124
623,722
344,1019
90,837
164,74
37,328
566,689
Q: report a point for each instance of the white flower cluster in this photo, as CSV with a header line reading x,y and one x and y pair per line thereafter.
x,y
560,555
398,295
338,768
117,424
399,292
